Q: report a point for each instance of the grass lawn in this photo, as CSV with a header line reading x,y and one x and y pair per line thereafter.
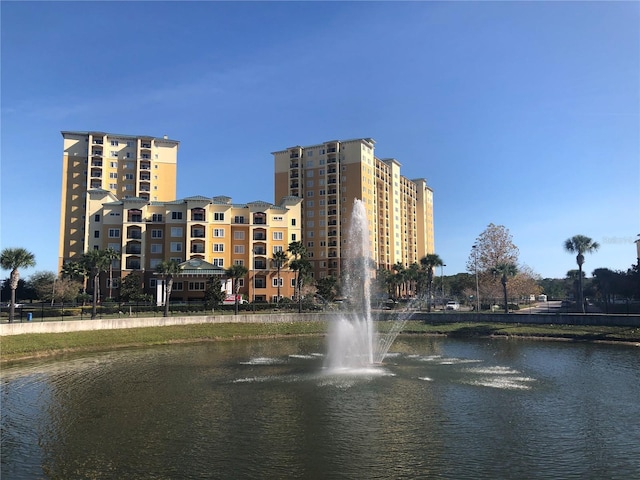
x,y
16,347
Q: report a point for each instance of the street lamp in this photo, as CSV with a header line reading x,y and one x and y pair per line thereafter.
x,y
442,284
475,256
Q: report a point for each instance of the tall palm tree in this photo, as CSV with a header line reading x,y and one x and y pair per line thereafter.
x,y
168,270
279,260
13,259
505,270
580,245
236,272
111,254
95,262
429,262
399,278
412,277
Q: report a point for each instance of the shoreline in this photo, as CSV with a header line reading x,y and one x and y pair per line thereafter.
x,y
26,347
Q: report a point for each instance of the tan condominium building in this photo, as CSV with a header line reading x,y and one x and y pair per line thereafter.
x,y
124,165
213,232
329,176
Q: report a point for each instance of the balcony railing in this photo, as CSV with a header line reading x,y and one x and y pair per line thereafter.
x,y
145,145
197,234
259,236
134,235
198,217
197,249
133,265
133,250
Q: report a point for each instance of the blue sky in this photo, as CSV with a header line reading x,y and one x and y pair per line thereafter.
x,y
519,114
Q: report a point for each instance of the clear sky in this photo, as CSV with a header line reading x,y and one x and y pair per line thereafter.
x,y
522,114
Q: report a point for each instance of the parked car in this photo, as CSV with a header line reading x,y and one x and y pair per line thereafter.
x,y
453,305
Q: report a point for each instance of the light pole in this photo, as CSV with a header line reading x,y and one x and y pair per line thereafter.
x,y
442,285
475,256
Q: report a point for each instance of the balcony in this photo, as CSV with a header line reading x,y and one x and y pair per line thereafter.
x,y
197,248
96,153
260,265
144,188
294,185
294,165
96,184
294,175
198,217
134,234
96,163
197,233
333,244
259,236
145,177
133,264
146,146
332,202
294,155
97,142
333,233
259,250
134,249
332,223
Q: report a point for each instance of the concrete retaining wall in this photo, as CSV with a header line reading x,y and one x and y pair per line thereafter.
x,y
134,322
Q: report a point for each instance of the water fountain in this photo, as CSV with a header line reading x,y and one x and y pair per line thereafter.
x,y
354,342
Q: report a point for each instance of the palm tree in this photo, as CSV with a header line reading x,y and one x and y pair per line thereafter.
x,y
302,267
505,270
111,254
74,270
167,270
13,259
279,259
299,252
429,262
95,262
236,272
580,244
399,278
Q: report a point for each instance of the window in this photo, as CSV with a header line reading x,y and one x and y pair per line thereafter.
x,y
238,219
115,246
128,187
309,194
309,183
113,165
156,217
129,144
218,232
277,235
176,215
293,222
238,235
276,282
154,262
176,259
309,203
153,283
128,176
156,248
113,175
238,262
241,281
218,247
128,155
196,286
96,217
113,284
176,247
113,186
310,224
293,282
114,143
218,262
277,248
218,216
128,165
176,231
114,233
178,286
238,249
293,237
156,233
114,153
309,244
96,234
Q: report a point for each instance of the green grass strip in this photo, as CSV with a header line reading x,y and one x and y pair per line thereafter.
x,y
15,347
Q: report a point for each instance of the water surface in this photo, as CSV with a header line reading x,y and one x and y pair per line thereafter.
x,y
437,408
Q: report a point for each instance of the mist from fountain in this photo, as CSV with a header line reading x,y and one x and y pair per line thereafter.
x,y
353,340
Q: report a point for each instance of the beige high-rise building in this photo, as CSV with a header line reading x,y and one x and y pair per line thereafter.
x,y
329,176
126,166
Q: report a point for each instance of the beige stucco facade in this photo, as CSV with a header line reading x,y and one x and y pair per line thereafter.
x,y
124,165
211,229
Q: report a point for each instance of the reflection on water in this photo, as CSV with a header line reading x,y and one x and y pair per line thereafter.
x,y
436,408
